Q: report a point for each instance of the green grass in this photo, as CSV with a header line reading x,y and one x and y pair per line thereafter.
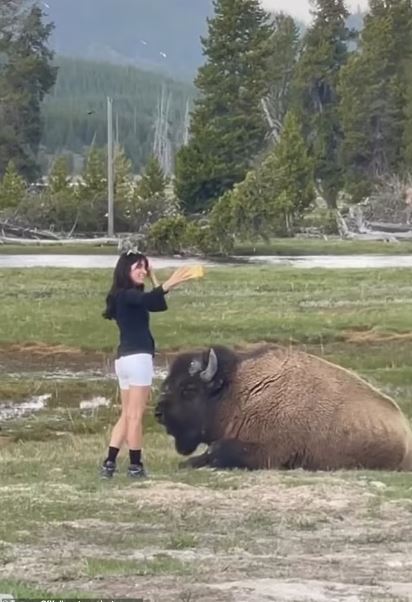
x,y
20,590
277,246
63,393
160,564
358,318
332,246
231,305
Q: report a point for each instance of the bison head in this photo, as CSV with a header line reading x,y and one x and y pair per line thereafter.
x,y
188,398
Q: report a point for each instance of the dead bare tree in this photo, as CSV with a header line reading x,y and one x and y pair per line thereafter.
x,y
162,148
385,215
275,126
186,124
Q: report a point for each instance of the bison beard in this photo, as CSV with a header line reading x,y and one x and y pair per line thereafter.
x,y
185,442
272,407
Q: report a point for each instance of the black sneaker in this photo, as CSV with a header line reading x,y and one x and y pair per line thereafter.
x,y
108,469
136,471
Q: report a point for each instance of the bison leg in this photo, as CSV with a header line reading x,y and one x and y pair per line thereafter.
x,y
232,453
196,461
228,453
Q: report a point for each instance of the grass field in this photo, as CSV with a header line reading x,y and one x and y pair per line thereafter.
x,y
202,535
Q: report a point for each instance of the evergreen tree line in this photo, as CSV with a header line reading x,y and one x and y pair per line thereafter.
x,y
281,117
80,206
278,118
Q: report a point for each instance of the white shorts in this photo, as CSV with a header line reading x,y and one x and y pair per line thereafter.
x,y
134,370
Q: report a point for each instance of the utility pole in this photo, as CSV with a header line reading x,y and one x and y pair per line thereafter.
x,y
110,187
117,131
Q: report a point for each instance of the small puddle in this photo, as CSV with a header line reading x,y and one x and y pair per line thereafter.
x,y
64,375
20,410
96,402
60,375
12,410
59,409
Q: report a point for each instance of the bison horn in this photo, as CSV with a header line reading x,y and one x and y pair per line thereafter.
x,y
209,372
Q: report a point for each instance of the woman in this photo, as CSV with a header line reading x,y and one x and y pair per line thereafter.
x,y
129,305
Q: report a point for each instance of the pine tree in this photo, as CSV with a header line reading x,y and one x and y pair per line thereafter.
x,y
284,47
291,169
150,201
95,174
122,175
407,133
26,75
323,54
271,197
373,89
59,176
92,195
228,127
12,187
153,181
252,206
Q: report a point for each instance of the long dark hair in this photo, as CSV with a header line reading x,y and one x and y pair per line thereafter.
x,y
122,280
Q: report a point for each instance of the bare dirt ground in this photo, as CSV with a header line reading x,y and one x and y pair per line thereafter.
x,y
249,538
36,356
39,356
42,358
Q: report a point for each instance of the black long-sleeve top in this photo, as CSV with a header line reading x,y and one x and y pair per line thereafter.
x,y
132,315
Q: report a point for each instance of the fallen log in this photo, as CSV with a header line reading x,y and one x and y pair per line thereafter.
x,y
371,231
10,240
388,227
384,236
8,228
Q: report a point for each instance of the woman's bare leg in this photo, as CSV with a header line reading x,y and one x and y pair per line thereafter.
x,y
119,432
117,438
138,398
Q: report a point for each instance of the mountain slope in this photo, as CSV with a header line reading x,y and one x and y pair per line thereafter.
x,y
136,32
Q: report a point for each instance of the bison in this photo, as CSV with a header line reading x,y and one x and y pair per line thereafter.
x,y
276,407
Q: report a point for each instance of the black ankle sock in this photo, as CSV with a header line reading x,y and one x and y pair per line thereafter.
x,y
113,451
135,456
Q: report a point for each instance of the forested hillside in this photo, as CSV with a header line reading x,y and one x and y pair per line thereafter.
x,y
75,113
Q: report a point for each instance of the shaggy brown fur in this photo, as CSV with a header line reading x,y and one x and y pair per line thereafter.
x,y
275,407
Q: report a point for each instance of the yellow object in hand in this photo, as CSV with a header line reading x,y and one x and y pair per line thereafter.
x,y
197,271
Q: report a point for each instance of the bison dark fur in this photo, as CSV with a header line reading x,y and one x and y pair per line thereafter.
x,y
275,407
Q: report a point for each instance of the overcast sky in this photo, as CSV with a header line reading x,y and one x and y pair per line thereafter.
x,y
300,8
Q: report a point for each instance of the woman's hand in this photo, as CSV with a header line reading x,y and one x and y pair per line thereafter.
x,y
178,277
